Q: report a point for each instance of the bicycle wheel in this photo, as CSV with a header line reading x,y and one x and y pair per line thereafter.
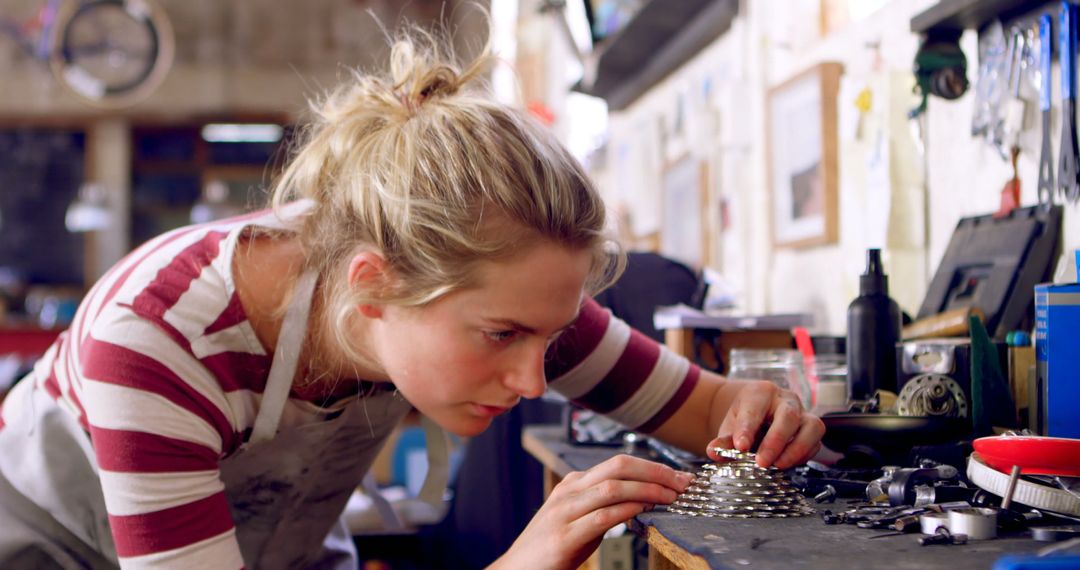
x,y
112,53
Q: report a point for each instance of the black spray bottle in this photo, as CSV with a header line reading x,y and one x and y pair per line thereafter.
x,y
873,330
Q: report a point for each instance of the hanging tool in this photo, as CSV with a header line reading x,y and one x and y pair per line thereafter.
x,y
1067,169
1046,160
1012,108
1010,193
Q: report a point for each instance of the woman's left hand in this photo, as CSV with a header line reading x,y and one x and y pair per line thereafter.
x,y
793,435
584,505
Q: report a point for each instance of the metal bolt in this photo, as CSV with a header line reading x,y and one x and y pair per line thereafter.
x,y
827,495
940,536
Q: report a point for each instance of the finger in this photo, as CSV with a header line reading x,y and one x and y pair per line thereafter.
x,y
610,493
613,492
806,443
754,402
725,437
787,417
596,523
629,468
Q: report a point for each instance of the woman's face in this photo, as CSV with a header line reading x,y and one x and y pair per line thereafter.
x,y
474,353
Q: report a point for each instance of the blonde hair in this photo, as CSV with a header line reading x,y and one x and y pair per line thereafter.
x,y
428,171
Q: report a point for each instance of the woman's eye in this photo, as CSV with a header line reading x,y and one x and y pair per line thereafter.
x,y
501,336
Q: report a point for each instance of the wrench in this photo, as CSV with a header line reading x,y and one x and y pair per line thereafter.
x,y
1046,161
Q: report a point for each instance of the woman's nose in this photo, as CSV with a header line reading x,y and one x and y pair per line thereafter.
x,y
526,376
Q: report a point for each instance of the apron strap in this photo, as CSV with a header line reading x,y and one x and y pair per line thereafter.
x,y
438,456
286,356
390,519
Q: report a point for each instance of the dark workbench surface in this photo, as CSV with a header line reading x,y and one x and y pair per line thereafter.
x,y
807,542
804,542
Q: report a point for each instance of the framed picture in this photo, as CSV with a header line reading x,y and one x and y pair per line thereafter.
x,y
801,154
685,190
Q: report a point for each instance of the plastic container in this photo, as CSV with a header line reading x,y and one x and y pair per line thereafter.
x,y
873,330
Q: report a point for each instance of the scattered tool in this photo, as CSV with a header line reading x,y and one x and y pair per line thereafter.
x,y
1046,159
1012,110
943,536
1067,162
1010,193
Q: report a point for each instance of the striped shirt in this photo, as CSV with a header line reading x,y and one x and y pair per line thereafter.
x,y
164,372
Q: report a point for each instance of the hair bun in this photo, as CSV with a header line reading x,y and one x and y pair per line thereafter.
x,y
421,71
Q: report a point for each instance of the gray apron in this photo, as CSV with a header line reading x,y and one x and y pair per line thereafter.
x,y
287,489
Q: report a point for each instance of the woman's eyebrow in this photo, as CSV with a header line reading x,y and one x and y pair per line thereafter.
x,y
517,326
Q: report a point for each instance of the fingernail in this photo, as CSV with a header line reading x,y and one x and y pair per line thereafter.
x,y
765,458
742,442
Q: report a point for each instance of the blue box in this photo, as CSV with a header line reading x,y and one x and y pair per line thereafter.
x,y
1057,358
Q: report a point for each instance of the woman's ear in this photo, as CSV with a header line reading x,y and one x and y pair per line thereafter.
x,y
368,269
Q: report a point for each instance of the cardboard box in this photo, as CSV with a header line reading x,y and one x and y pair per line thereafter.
x,y
1057,358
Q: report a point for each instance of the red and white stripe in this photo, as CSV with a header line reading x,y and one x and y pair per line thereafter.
x,y
604,365
164,372
162,369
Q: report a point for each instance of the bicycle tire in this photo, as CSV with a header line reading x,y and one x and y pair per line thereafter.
x,y
145,16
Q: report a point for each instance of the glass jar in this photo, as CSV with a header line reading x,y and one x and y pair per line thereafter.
x,y
830,391
783,367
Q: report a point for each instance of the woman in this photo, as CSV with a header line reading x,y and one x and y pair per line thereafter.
x,y
225,387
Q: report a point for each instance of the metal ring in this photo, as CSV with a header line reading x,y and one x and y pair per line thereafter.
x,y
929,523
978,523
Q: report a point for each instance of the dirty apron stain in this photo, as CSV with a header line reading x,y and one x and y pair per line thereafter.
x,y
288,488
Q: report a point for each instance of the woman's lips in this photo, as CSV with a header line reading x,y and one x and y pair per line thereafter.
x,y
491,411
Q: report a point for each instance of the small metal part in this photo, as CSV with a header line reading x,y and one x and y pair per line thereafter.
x,y
932,395
929,522
1014,475
829,517
826,496
1055,533
887,518
978,523
909,523
943,536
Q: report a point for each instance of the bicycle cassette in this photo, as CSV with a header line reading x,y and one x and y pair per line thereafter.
x,y
740,489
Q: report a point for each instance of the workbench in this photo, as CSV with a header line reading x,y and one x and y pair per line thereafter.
x,y
677,541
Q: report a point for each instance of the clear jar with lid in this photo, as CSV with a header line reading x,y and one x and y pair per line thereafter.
x,y
783,367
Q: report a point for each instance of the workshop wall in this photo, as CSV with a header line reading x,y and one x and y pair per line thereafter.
x,y
252,56
233,59
713,108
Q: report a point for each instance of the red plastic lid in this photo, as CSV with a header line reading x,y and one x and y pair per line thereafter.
x,y
1034,454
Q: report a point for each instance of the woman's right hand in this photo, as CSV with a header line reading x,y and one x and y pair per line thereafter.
x,y
572,521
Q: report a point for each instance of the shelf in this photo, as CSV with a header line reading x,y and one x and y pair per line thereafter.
x,y
662,36
955,16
